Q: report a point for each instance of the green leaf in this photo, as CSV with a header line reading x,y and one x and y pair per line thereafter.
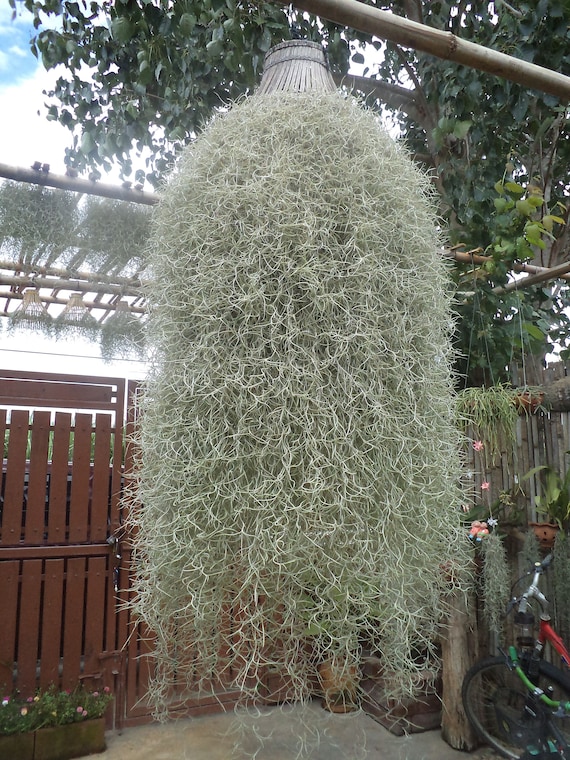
x,y
265,41
533,330
145,73
214,48
87,143
187,23
461,129
514,188
524,207
122,29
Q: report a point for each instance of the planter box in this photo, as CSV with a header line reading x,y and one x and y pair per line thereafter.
x,y
57,743
20,746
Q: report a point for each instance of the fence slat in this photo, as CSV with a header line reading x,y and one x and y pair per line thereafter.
x,y
73,621
14,492
58,484
9,582
95,616
37,479
80,484
52,627
100,502
29,626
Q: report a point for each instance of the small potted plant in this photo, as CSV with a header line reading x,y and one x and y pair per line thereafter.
x,y
339,678
53,724
553,502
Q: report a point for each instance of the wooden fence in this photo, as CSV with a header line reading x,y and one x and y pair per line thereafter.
x,y
65,563
542,439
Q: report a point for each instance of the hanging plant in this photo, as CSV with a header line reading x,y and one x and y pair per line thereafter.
x,y
31,314
122,335
76,320
298,439
496,580
491,415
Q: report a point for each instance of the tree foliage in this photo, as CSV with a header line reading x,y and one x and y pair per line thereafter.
x,y
147,74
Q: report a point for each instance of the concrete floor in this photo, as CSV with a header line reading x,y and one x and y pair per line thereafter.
x,y
289,732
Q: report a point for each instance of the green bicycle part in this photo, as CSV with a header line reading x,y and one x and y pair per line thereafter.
x,y
531,687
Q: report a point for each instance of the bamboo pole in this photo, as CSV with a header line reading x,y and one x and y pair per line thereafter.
x,y
410,34
101,305
469,257
35,269
67,284
77,185
549,274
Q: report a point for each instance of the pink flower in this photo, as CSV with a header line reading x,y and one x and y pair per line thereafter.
x,y
477,445
106,689
30,699
485,485
79,709
84,713
95,693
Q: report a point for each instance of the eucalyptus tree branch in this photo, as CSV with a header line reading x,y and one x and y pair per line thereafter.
x,y
414,10
391,94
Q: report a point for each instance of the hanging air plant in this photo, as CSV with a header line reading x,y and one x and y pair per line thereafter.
x,y
122,335
299,461
76,320
496,580
31,313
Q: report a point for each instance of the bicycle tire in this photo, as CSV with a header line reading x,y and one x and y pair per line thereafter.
x,y
494,697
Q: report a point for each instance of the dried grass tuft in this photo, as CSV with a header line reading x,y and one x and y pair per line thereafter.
x,y
300,461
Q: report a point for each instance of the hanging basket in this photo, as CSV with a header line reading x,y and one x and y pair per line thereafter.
x,y
76,318
296,66
31,313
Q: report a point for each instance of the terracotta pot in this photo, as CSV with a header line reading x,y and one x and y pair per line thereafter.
x,y
528,402
339,684
545,533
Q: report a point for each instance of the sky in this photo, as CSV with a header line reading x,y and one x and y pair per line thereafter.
x,y
27,136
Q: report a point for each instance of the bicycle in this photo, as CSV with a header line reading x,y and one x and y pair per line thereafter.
x,y
518,703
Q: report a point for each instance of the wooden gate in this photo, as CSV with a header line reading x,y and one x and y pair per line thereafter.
x,y
65,563
59,508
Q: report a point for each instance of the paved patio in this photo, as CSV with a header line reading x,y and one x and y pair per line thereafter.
x,y
289,732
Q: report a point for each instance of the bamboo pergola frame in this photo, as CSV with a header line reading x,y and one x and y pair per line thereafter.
x,y
107,292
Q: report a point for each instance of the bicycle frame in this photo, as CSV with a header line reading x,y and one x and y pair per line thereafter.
x,y
547,633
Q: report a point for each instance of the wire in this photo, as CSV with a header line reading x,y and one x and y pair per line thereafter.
x,y
70,356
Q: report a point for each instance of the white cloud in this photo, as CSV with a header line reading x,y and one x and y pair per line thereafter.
x,y
26,135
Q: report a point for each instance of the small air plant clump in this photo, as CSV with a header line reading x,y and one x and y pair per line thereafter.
x,y
299,456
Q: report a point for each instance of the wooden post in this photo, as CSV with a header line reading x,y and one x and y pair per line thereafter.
x,y
459,651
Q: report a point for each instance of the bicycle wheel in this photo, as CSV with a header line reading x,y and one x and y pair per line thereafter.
x,y
495,701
